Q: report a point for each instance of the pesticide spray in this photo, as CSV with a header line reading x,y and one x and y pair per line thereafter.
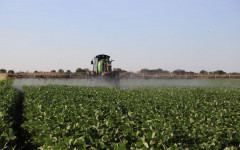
x,y
125,83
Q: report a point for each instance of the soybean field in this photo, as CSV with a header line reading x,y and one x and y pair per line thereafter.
x,y
8,97
81,117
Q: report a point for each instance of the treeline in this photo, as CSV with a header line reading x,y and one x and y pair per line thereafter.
x,y
183,72
177,72
144,71
61,71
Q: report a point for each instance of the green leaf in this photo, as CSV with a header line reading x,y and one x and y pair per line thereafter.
x,y
115,145
146,144
139,144
11,133
122,146
153,135
191,120
125,141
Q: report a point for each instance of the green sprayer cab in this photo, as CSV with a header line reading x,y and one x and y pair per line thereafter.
x,y
102,71
101,64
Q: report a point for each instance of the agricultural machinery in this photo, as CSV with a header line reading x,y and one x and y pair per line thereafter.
x,y
102,73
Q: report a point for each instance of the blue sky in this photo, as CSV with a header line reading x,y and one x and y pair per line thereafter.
x,y
168,34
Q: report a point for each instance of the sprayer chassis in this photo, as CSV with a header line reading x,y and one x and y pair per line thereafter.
x,y
103,81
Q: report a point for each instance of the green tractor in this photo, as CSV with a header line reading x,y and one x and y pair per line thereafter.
x,y
102,74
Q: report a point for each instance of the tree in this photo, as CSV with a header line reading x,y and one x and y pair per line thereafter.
x,y
219,72
179,72
153,71
165,72
61,71
210,72
80,70
3,71
53,70
68,72
203,72
190,72
10,71
145,70
86,69
119,70
235,73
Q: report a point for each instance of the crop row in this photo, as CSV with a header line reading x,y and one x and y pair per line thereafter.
x,y
8,95
60,117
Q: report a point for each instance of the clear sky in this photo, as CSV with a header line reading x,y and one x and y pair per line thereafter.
x,y
170,34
